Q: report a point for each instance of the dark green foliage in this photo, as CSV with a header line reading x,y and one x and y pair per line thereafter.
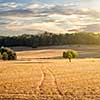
x,y
48,39
70,54
64,55
5,56
73,53
0,56
7,53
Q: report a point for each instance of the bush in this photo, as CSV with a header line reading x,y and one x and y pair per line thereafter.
x,y
70,54
8,54
5,56
12,56
0,56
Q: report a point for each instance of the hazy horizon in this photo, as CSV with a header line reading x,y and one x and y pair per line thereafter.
x,y
59,16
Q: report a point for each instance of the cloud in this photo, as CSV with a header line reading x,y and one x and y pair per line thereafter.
x,y
16,12
43,10
10,5
48,17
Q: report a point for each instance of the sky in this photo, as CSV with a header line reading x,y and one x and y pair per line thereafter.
x,y
57,16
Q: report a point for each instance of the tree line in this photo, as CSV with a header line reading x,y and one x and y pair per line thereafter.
x,y
49,39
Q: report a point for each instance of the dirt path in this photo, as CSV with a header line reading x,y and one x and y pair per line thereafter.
x,y
48,88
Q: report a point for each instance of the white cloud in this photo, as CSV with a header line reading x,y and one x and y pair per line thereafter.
x,y
10,5
48,17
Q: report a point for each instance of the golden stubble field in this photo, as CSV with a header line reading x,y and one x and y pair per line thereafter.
x,y
44,75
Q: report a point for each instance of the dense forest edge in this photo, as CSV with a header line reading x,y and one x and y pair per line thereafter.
x,y
50,39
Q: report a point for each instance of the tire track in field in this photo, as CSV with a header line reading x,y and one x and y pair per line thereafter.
x,y
49,83
42,78
55,81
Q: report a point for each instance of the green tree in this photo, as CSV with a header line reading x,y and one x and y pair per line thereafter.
x,y
70,54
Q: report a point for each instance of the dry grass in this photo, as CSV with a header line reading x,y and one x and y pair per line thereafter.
x,y
37,75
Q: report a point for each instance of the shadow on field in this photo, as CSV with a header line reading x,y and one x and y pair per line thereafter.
x,y
30,62
56,57
39,58
24,48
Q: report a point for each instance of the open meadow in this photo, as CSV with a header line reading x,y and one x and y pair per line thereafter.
x,y
42,74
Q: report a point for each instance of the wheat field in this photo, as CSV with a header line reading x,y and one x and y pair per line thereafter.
x,y
44,75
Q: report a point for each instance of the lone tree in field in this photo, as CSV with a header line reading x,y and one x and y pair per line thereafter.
x,y
70,54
